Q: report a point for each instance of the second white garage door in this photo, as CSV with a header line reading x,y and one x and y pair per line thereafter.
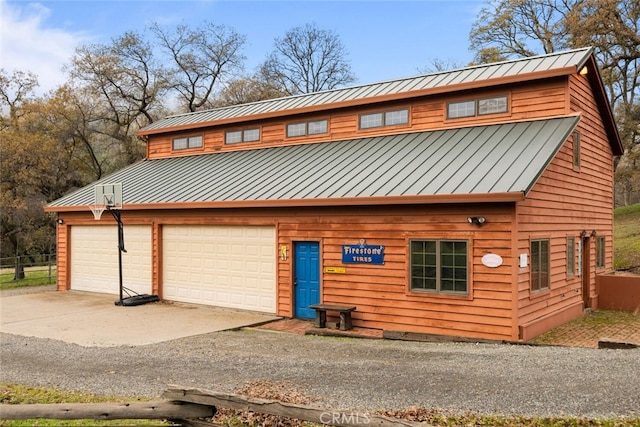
x,y
225,266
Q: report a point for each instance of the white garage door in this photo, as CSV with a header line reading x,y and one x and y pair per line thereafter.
x,y
225,266
94,259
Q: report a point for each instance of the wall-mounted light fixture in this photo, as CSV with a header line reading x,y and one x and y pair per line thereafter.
x,y
60,221
477,220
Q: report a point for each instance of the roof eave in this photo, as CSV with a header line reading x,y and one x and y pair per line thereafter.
x,y
604,106
346,201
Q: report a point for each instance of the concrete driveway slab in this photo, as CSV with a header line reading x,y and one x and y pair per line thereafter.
x,y
93,320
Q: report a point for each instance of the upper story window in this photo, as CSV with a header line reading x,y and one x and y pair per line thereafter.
x,y
576,150
315,127
384,118
244,135
184,143
461,109
477,107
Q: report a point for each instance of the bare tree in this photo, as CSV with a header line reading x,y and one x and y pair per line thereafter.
x,y
15,90
128,84
201,58
308,59
438,65
519,27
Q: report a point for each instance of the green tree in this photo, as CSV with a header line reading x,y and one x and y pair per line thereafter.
x,y
36,167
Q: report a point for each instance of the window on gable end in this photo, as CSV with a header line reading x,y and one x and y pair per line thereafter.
x,y
576,150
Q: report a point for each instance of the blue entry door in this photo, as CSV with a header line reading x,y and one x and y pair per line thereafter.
x,y
306,278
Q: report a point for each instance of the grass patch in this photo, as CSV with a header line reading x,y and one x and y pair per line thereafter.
x,y
33,277
434,418
626,236
13,394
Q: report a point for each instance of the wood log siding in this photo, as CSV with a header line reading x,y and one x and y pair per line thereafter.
x,y
539,99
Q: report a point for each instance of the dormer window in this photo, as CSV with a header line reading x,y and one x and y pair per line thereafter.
x,y
184,143
244,135
384,118
315,127
477,107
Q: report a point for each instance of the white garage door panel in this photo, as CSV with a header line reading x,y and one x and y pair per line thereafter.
x,y
94,258
226,266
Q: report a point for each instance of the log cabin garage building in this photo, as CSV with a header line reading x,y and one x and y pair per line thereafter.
x,y
471,203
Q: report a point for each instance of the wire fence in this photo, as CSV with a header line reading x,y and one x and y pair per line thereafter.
x,y
28,270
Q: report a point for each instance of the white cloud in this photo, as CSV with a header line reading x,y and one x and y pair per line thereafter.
x,y
27,44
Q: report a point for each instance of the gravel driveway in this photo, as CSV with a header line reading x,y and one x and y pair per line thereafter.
x,y
347,373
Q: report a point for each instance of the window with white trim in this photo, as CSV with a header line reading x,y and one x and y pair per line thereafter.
x,y
244,135
384,118
440,266
186,142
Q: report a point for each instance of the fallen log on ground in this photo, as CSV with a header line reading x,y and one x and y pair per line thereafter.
x,y
107,411
288,410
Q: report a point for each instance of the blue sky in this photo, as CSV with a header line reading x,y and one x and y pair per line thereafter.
x,y
385,39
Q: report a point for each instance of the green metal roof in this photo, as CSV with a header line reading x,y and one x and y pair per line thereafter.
x,y
470,161
447,80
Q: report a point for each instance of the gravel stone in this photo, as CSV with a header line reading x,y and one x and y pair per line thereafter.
x,y
346,373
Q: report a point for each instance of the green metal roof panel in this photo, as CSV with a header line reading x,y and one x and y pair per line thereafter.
x,y
500,158
485,72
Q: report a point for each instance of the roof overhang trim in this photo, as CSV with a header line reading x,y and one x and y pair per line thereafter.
x,y
350,201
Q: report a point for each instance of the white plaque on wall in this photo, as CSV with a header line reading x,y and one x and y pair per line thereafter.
x,y
492,260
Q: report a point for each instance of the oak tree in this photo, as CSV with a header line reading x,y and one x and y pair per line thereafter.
x,y
520,28
199,60
308,59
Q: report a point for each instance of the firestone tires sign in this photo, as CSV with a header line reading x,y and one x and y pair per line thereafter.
x,y
362,254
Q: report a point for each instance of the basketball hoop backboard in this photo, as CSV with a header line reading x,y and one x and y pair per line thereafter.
x,y
109,195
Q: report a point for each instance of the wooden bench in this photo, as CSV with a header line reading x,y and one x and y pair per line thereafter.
x,y
344,310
